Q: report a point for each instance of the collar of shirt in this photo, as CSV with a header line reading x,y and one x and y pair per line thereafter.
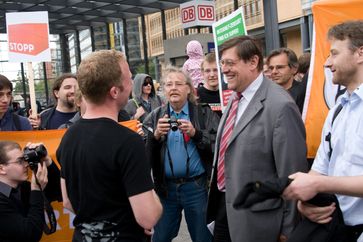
x,y
5,189
252,88
357,95
248,95
185,110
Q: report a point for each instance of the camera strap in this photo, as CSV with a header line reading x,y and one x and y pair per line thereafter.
x,y
51,217
48,211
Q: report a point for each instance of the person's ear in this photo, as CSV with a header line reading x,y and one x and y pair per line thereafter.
x,y
254,62
2,169
56,93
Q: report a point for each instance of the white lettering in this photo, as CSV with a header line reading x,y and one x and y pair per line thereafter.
x,y
21,47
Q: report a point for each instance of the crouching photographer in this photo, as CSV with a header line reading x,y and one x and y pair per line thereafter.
x,y
22,203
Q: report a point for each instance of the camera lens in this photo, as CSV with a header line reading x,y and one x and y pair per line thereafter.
x,y
173,123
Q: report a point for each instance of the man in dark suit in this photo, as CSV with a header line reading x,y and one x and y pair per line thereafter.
x,y
264,140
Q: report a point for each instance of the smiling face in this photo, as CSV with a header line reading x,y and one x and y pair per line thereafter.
x,y
237,72
66,92
176,89
342,62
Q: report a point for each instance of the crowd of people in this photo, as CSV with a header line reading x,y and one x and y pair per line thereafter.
x,y
189,157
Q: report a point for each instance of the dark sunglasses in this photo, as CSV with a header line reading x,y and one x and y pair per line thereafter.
x,y
147,83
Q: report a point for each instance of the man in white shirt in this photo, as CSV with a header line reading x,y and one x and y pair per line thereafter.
x,y
338,166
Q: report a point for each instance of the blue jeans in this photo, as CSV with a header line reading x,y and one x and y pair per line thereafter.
x,y
192,197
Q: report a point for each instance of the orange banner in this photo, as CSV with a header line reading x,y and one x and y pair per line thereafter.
x,y
51,140
321,92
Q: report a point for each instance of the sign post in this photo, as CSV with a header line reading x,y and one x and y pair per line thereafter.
x,y
28,40
228,27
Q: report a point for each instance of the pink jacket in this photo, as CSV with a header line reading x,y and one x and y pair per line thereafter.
x,y
192,65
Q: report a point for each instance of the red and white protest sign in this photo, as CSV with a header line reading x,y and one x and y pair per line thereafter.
x,y
28,36
197,13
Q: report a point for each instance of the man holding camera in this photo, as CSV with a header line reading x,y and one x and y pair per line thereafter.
x,y
179,141
21,202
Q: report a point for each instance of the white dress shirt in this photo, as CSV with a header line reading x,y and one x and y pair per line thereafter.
x,y
347,150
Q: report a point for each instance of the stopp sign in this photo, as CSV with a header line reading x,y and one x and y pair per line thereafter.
x,y
28,38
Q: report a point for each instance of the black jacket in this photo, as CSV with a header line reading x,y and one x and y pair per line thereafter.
x,y
45,117
204,120
23,220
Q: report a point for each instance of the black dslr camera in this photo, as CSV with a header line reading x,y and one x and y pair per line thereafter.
x,y
33,156
173,123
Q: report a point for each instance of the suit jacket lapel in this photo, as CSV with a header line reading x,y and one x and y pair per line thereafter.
x,y
222,122
252,109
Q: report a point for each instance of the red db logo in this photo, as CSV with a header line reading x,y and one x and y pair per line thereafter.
x,y
188,14
205,12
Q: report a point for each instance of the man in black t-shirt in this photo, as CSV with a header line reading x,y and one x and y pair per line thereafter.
x,y
209,92
106,180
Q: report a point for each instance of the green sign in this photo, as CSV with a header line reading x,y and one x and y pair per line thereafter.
x,y
230,28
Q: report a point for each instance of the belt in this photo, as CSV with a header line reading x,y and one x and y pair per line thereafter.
x,y
181,180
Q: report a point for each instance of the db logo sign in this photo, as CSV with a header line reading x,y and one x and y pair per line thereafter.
x,y
23,40
197,13
188,14
205,12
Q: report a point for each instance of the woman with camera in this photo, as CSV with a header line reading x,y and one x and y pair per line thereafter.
x,y
22,202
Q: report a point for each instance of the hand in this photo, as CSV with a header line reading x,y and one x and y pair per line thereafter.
x,y
42,176
303,187
186,127
47,160
162,127
140,131
34,120
321,215
139,112
282,238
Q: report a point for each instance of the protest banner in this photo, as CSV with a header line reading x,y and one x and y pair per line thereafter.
x,y
321,93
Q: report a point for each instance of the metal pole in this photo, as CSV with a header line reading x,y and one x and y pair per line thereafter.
x,y
163,24
143,28
64,47
125,39
46,82
272,32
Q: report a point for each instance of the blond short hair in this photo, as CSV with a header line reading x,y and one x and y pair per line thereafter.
x,y
98,73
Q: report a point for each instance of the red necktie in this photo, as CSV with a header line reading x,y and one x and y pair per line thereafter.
x,y
226,135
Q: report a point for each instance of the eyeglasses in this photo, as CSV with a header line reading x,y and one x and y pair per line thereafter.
x,y
20,161
176,84
146,83
228,62
277,67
